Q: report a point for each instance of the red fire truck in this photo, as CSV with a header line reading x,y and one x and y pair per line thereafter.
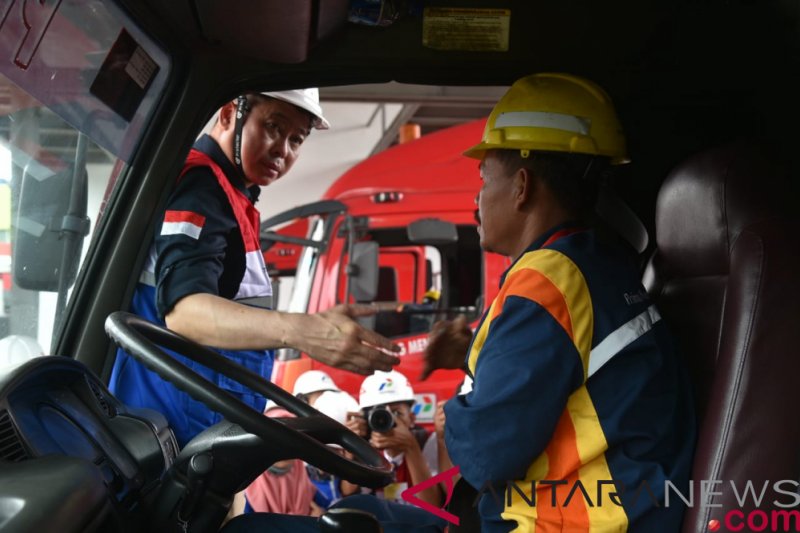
x,y
397,230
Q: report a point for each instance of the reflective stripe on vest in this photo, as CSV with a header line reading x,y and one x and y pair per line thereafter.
x,y
620,338
255,282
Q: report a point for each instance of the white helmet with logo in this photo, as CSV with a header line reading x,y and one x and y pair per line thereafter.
x,y
307,99
385,387
313,381
336,404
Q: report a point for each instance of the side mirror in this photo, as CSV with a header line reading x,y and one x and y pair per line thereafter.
x,y
432,231
362,271
48,227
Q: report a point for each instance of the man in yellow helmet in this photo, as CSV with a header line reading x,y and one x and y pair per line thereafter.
x,y
577,390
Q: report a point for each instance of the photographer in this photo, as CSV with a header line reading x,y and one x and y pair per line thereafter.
x,y
386,399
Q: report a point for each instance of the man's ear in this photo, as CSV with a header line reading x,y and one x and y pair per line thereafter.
x,y
227,115
524,185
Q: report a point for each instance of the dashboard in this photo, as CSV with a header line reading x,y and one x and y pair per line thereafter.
x,y
73,458
54,414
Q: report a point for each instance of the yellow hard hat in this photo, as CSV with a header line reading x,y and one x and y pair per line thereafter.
x,y
432,294
554,113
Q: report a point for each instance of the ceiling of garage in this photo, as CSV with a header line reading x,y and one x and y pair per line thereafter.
x,y
431,107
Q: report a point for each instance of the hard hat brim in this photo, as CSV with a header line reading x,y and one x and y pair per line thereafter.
x,y
479,152
296,99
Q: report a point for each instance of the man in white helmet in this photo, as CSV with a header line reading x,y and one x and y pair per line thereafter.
x,y
206,279
387,399
311,384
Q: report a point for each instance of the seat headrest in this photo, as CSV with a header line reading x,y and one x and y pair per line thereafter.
x,y
707,201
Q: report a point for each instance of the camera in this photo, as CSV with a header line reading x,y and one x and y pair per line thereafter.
x,y
380,419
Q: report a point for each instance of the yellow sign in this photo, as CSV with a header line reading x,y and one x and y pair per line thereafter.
x,y
475,30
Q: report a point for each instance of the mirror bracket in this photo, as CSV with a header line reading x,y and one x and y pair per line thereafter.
x,y
79,225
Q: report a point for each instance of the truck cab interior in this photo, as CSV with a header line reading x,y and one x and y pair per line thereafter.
x,y
706,92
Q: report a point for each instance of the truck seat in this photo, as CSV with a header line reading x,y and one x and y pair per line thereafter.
x,y
726,278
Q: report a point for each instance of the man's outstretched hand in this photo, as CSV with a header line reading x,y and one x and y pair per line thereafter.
x,y
334,337
447,346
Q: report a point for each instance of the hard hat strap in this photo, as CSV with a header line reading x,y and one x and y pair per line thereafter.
x,y
242,108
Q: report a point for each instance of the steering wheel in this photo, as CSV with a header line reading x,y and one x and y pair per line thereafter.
x,y
308,433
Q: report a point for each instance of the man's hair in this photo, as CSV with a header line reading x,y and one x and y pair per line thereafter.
x,y
573,179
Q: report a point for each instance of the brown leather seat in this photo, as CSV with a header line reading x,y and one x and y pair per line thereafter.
x,y
726,278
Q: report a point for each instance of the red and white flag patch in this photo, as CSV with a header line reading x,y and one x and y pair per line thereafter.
x,y
186,223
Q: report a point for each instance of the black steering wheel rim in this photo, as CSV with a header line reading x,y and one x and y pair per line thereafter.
x,y
142,340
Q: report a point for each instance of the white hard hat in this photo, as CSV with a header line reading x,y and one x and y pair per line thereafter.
x,y
16,349
307,99
385,387
313,381
336,404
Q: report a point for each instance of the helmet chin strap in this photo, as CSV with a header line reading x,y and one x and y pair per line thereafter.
x,y
242,108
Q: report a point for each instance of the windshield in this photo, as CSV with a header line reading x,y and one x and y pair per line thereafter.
x,y
73,103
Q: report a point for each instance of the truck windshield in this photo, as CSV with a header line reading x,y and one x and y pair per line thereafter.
x,y
74,100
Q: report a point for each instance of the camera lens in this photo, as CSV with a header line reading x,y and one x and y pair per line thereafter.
x,y
380,419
